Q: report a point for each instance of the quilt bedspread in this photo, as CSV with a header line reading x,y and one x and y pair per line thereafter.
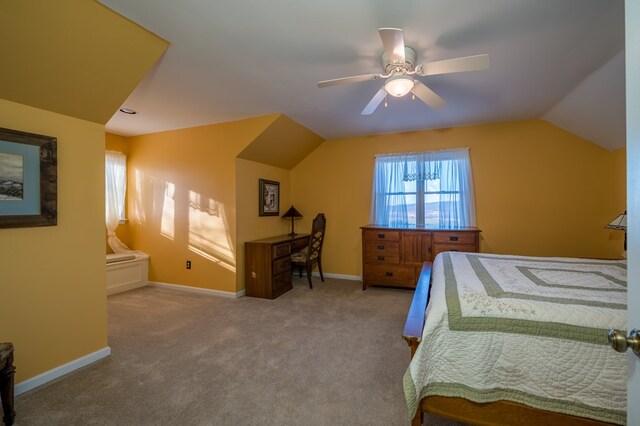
x,y
524,329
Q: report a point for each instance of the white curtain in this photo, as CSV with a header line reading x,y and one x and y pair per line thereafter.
x,y
115,189
388,202
451,169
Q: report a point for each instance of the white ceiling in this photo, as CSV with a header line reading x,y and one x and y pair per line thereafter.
x,y
230,60
595,109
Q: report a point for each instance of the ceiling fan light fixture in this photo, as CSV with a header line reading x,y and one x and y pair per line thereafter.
x,y
399,65
398,85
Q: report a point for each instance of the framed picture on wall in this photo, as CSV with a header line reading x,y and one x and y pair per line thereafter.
x,y
28,179
268,198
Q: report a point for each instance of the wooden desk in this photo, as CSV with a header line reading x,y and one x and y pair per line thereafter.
x,y
267,265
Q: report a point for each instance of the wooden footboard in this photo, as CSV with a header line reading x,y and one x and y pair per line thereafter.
x,y
496,413
460,409
412,332
415,320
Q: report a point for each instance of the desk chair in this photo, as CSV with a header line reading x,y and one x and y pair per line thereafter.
x,y
313,252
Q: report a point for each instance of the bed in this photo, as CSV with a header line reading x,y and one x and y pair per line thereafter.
x,y
517,340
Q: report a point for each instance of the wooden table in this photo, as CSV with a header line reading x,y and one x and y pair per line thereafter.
x,y
267,264
7,371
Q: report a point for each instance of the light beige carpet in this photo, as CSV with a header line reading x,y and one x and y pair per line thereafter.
x,y
328,356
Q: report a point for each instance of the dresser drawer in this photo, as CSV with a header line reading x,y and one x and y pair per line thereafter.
x,y
281,265
281,284
281,281
297,245
380,235
390,257
382,248
452,237
280,250
439,248
402,276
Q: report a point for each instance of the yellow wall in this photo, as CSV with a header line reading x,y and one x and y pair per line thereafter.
x,y
114,142
250,225
52,284
182,201
119,143
539,189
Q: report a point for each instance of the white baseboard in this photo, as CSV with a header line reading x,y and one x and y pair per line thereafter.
x,y
198,290
60,371
241,293
124,287
338,276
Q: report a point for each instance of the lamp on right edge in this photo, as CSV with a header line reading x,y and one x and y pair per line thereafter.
x,y
620,224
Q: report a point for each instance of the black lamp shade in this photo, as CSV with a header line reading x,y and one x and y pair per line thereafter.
x,y
292,213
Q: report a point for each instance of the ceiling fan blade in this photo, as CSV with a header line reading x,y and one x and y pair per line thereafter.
x,y
467,63
393,42
427,95
374,102
346,80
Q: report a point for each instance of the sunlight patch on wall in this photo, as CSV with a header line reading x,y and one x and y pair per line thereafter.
x,y
138,209
167,223
208,231
154,203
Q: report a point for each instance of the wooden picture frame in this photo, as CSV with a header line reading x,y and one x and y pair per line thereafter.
x,y
268,198
28,179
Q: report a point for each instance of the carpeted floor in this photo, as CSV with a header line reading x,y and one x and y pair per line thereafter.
x,y
328,356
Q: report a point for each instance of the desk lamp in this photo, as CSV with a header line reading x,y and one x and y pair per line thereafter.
x,y
620,224
292,213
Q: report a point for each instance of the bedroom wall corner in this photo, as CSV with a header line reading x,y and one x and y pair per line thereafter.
x,y
182,201
250,225
53,305
528,176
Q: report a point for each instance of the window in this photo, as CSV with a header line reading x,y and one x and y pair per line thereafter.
x,y
115,185
430,189
115,173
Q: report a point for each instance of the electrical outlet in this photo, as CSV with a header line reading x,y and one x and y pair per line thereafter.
x,y
188,264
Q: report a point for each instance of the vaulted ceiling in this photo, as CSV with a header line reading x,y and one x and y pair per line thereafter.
x,y
560,60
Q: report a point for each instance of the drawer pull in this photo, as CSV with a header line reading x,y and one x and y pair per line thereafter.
x,y
453,238
454,250
380,257
380,246
381,236
389,274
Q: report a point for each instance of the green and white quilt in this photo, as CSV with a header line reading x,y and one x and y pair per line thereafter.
x,y
524,329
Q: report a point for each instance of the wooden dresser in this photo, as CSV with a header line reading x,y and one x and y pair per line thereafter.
x,y
394,256
267,264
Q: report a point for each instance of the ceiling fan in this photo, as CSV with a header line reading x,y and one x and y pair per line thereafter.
x,y
399,64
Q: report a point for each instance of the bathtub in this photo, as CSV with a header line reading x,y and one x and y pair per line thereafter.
x,y
126,271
